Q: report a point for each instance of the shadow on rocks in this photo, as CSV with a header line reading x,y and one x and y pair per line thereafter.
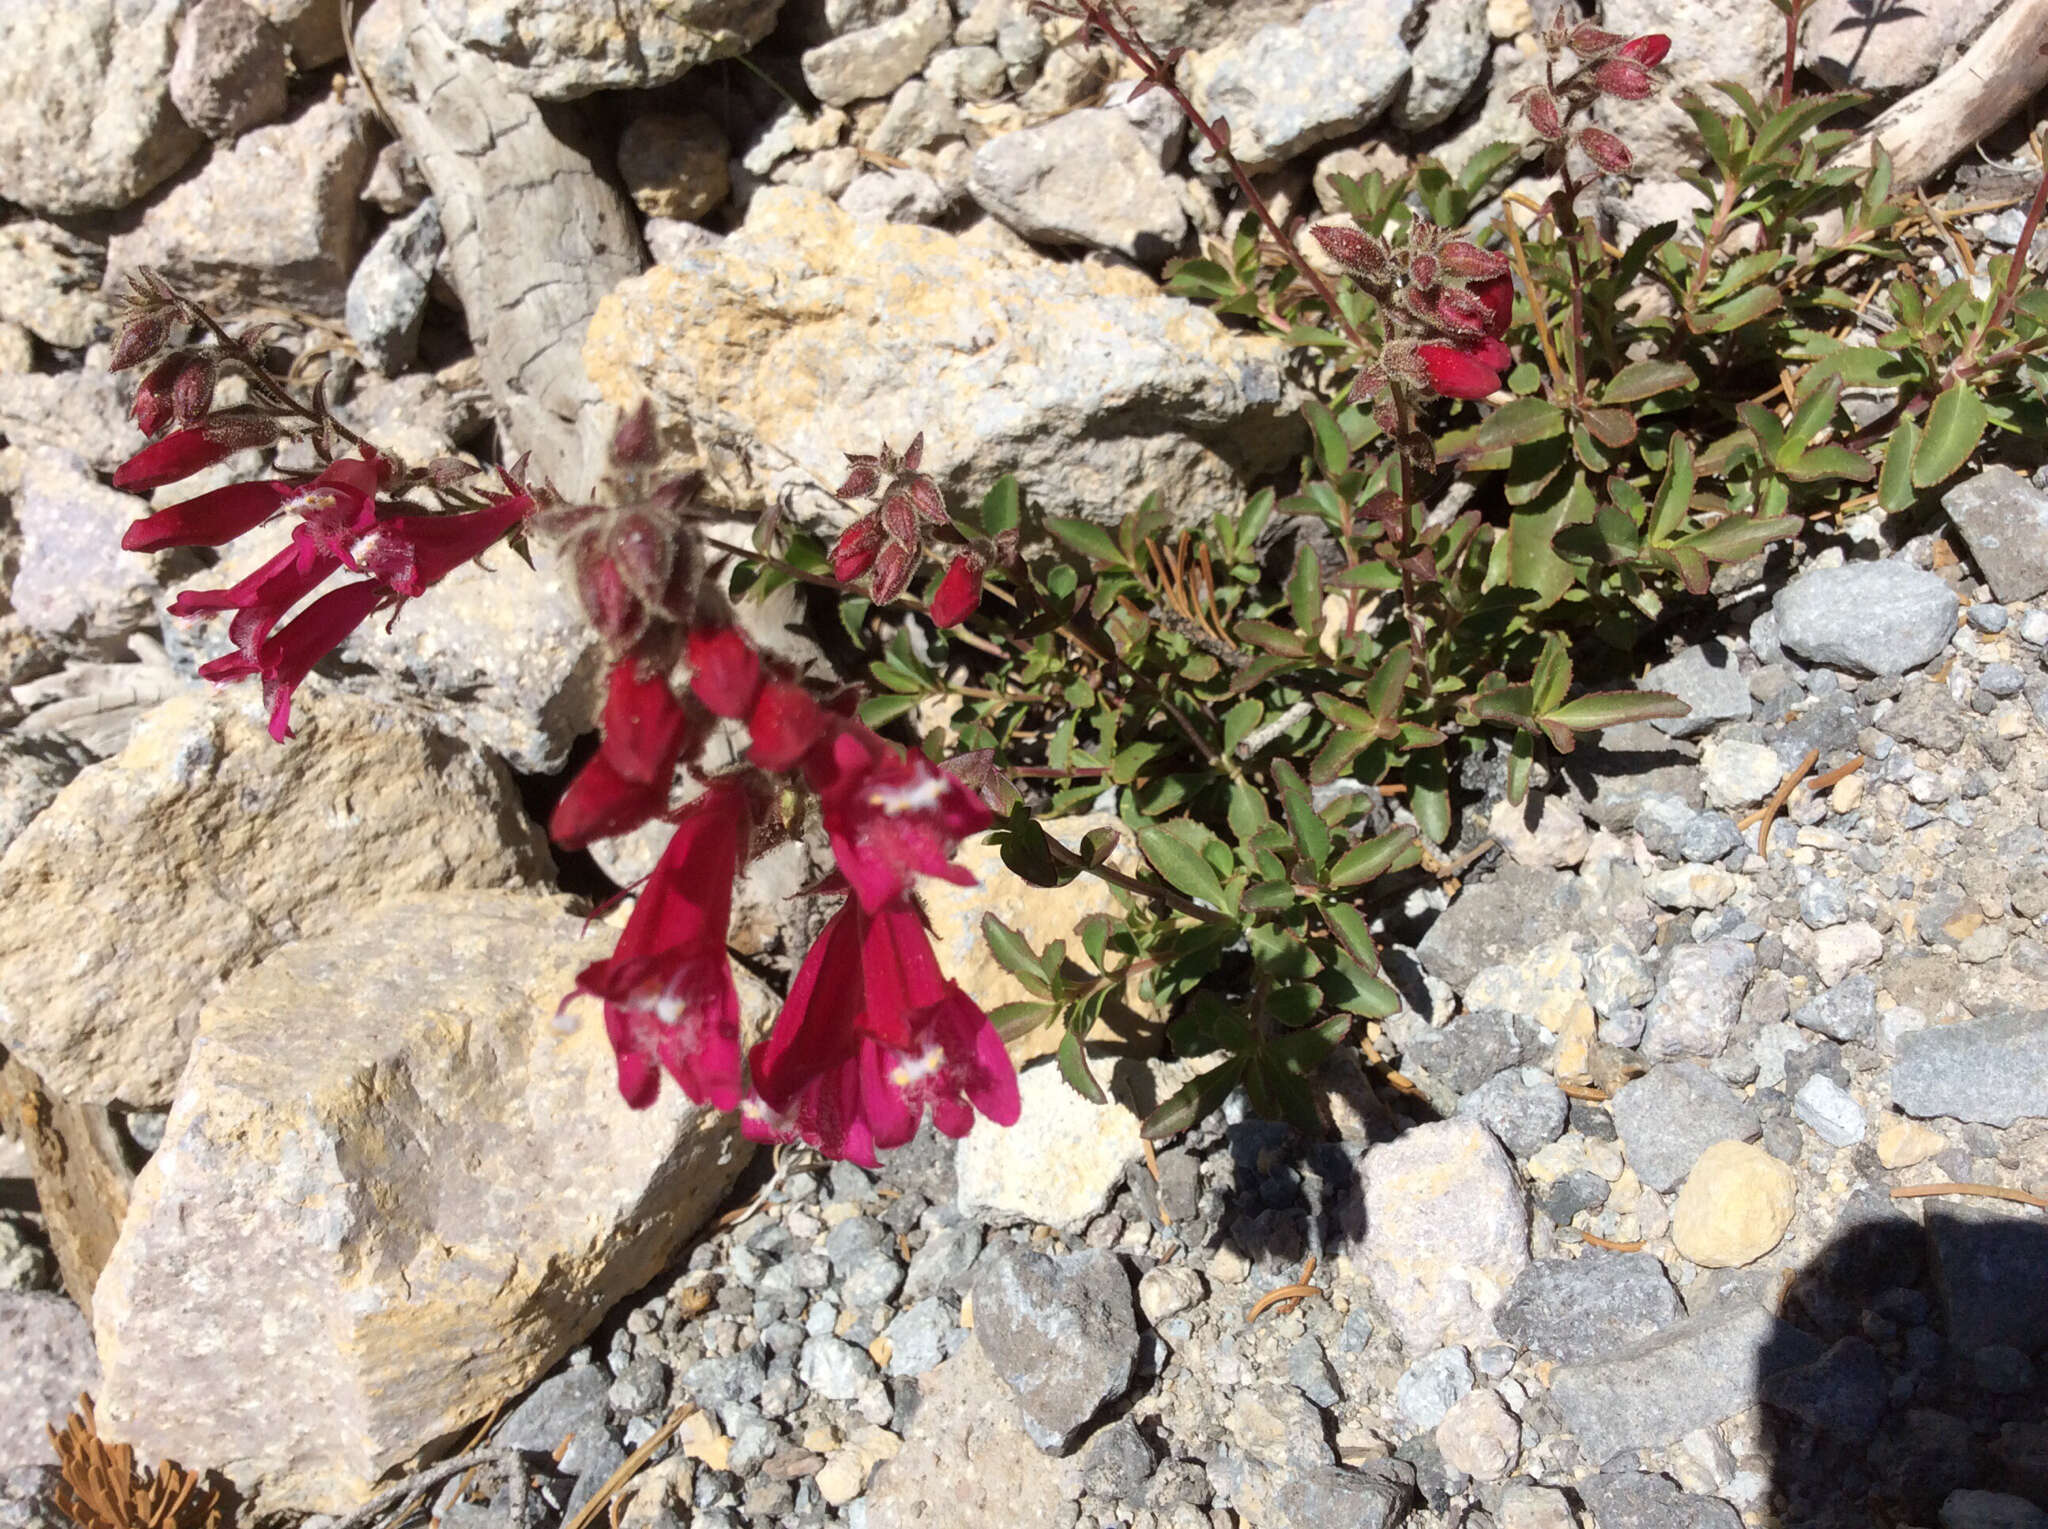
x,y
1927,1403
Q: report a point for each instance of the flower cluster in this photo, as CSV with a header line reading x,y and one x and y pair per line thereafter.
x,y
870,1033
887,543
344,521
1609,64
1446,303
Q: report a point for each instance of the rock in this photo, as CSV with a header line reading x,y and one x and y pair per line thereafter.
x,y
1557,840
965,1462
1062,1333
1739,774
1167,1290
1854,47
804,326
387,295
46,1359
1446,1231
1117,1462
1925,713
311,28
204,846
1704,676
2003,519
1638,1500
1886,617
1741,40
1058,1165
28,1498
88,123
1576,1310
1691,886
1522,1107
1087,177
1842,1392
1290,87
392,1191
1699,1000
1492,920
1613,771
1966,1508
1734,1206
1844,949
84,413
50,283
1480,1437
1475,1046
1692,1374
25,1263
555,50
1993,1071
229,72
896,196
1522,1505
675,166
1844,1012
1672,1114
1907,1143
1447,62
1429,1388
924,1337
834,1368
1544,983
74,580
562,1408
1829,1108
1986,1266
272,220
1376,1498
874,60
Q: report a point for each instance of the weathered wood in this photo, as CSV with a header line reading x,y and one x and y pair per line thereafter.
x,y
80,1166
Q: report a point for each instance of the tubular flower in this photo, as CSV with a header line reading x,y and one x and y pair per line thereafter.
x,y
211,519
408,553
1469,365
648,732
891,816
283,659
872,1034
959,592
185,452
669,1001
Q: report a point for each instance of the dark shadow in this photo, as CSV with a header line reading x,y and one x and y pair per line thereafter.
x,y
1867,16
1933,1317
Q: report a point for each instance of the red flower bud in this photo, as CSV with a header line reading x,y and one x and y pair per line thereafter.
x,y
1648,50
899,519
141,337
1360,253
192,392
1623,78
1456,372
186,452
893,567
1589,41
924,494
1460,310
854,553
1541,109
959,591
152,408
861,481
1423,269
1605,150
634,439
1466,261
727,676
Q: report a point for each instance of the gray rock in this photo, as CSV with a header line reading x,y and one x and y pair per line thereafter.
x,y
677,167
1842,1392
1925,713
924,1337
1692,1374
874,60
1290,87
1710,837
1578,1309
834,1368
1699,1000
1088,177
1448,58
1664,821
387,295
1854,47
563,1406
230,72
1830,1109
1617,980
50,283
1615,770
1824,902
46,1359
1967,1508
942,1263
1705,677
1117,1462
25,1259
1521,1106
559,49
1637,1500
642,1387
28,1498
896,196
74,579
1475,1046
1884,617
2004,522
1308,1370
1845,1012
2001,679
1428,1387
1987,1266
868,1272
86,120
1993,1071
1497,920
84,413
1063,1334
1332,1495
1581,1189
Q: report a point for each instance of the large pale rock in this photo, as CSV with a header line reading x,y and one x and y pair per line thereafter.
x,y
50,283
82,412
86,121
824,334
1057,1165
204,846
273,219
1446,1231
1854,45
557,49
392,1193
74,579
1740,40
1734,1206
1088,177
46,1359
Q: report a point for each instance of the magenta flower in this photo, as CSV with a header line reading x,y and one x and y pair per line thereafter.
x,y
726,671
184,452
647,733
891,817
283,658
410,552
786,726
669,1000
959,592
870,1036
210,520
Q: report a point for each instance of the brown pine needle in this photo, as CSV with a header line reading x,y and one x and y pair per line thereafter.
x,y
1293,1294
1987,1191
1835,776
1585,1091
1611,1245
630,1468
1765,815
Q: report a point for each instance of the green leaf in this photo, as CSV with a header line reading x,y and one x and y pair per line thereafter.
x,y
1095,931
1194,1102
1552,676
1954,427
1182,865
1611,708
1895,483
1348,925
1074,1068
1240,720
1248,812
1522,422
1333,452
1001,506
1311,834
1393,851
1276,640
1014,954
1429,795
1646,379
1674,495
1383,690
1830,461
880,710
1521,755
1741,536
1087,538
1613,428
1512,705
1305,592
1743,309
1810,418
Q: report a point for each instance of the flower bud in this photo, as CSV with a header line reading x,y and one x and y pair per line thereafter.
x,y
141,337
634,438
959,591
152,409
1647,50
863,479
1359,253
929,502
854,553
192,392
1589,41
899,519
1465,261
893,566
1541,108
1624,79
1604,149
1459,310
